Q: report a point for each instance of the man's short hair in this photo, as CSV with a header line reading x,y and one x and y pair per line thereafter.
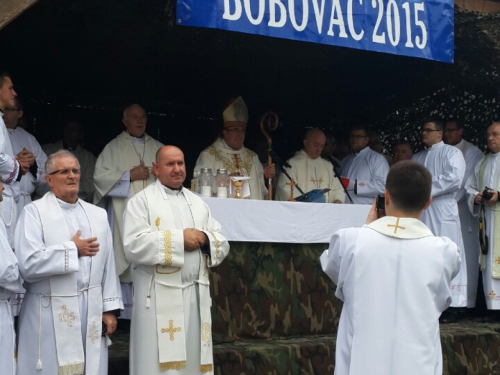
x,y
3,75
49,164
405,143
437,122
361,127
409,185
457,122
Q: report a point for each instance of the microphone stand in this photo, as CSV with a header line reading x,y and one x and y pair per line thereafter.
x,y
279,163
337,174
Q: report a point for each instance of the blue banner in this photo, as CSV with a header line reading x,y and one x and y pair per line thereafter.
x,y
417,28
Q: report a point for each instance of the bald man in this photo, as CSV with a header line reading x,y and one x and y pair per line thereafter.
x,y
310,171
171,239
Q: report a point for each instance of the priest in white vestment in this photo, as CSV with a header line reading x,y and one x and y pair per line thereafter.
x,y
229,153
122,170
65,253
171,238
487,174
10,285
12,168
453,135
72,136
310,171
364,169
447,166
394,277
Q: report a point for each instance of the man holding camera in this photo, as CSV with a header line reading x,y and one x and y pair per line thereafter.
x,y
483,198
447,166
394,277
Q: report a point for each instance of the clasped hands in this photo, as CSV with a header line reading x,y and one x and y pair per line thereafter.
x,y
26,160
141,172
194,239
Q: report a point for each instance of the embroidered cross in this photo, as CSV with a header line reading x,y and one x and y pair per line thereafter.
x,y
396,227
492,294
292,183
236,164
317,182
497,261
171,330
66,317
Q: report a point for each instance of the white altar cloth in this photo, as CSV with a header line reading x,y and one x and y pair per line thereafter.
x,y
248,220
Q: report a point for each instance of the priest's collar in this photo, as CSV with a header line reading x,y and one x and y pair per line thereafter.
x,y
494,155
362,151
226,146
69,148
66,205
137,140
435,146
166,191
400,227
460,144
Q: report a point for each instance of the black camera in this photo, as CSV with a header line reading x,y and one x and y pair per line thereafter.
x,y
380,202
486,194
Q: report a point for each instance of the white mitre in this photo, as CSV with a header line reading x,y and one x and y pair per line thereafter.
x,y
236,112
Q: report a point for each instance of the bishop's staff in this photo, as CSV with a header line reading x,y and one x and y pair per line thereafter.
x,y
271,120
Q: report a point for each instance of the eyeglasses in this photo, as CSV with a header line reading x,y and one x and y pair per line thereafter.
x,y
65,172
357,136
428,130
450,130
236,130
11,109
495,135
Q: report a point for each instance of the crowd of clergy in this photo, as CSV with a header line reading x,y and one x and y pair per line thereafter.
x,y
86,240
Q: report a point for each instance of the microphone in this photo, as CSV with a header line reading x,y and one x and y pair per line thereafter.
x,y
332,160
276,159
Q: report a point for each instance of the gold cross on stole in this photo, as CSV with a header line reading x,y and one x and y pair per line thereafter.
x,y
396,227
171,330
317,182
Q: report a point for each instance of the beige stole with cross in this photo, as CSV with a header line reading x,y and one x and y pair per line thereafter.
x,y
401,227
495,241
168,286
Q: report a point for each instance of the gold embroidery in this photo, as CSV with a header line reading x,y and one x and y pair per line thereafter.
x,y
497,261
93,333
167,238
206,368
171,330
246,157
396,227
205,335
161,270
157,223
66,317
179,365
317,182
492,294
217,244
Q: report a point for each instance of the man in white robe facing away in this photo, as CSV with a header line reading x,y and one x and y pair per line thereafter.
x,y
228,151
71,141
487,175
65,253
12,168
122,170
364,169
310,171
10,284
447,166
453,136
171,238
394,278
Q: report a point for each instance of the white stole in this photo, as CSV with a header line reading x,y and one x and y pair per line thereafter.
x,y
168,287
400,227
64,298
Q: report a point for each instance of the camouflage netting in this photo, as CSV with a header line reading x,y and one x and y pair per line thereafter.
x,y
274,312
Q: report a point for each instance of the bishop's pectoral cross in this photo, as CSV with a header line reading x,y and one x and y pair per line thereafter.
x,y
292,183
396,227
171,330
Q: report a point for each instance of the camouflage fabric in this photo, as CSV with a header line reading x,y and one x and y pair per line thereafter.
x,y
265,290
274,313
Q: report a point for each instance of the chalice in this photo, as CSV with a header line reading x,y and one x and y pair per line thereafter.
x,y
237,184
